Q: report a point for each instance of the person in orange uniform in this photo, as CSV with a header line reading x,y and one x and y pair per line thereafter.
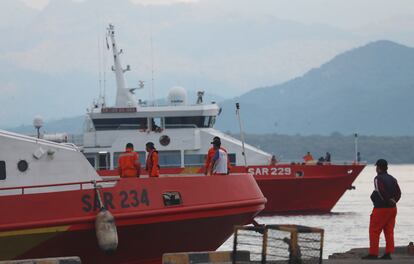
x,y
152,165
210,155
385,197
128,163
308,157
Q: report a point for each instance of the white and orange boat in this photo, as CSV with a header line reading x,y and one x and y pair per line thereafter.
x,y
182,133
50,197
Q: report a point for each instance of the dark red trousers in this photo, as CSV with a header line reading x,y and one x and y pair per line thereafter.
x,y
382,219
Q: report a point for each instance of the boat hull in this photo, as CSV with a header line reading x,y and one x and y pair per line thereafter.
x,y
62,223
304,189
140,243
294,188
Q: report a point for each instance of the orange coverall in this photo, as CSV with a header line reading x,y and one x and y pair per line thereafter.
x,y
152,165
308,157
128,164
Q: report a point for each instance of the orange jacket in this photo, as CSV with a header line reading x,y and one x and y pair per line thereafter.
x,y
210,156
152,165
128,164
308,157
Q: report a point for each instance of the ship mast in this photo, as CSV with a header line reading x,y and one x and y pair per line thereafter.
x,y
124,96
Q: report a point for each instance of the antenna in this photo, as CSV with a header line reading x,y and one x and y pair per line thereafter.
x,y
152,93
124,96
241,133
356,147
99,65
101,57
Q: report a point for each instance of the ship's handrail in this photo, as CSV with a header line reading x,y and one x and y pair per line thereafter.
x,y
22,188
315,162
181,126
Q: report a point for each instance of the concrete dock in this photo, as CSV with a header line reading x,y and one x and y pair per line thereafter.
x,y
401,255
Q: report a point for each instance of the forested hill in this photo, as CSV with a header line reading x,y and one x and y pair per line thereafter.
x,y
368,90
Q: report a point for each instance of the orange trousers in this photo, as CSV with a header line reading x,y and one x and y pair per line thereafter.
x,y
382,219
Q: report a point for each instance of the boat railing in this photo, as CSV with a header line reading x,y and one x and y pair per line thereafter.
x,y
180,126
80,184
315,162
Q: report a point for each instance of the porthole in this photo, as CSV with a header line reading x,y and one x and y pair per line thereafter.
x,y
22,165
165,140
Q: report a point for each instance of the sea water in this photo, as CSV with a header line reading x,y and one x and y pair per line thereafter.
x,y
347,226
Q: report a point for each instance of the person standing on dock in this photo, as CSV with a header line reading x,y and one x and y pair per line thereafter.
x,y
128,163
210,155
152,165
385,198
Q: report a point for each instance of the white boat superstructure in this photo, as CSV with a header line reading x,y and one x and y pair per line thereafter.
x,y
181,132
28,162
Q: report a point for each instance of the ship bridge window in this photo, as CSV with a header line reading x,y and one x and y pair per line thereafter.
x,y
2,170
141,156
232,157
172,198
212,121
157,124
100,161
194,160
197,160
120,123
168,159
188,121
91,160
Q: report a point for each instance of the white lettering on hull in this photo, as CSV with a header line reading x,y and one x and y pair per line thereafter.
x,y
273,171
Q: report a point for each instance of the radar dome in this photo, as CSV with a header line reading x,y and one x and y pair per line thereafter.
x,y
38,122
177,96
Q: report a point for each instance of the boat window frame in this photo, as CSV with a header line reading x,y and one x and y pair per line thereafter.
x,y
199,121
156,124
166,155
232,158
91,157
194,160
3,174
137,123
212,121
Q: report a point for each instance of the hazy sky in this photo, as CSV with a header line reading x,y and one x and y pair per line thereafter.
x,y
344,13
226,47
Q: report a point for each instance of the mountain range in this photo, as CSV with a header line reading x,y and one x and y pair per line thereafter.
x,y
366,90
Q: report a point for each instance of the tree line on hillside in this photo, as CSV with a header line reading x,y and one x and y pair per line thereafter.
x,y
397,150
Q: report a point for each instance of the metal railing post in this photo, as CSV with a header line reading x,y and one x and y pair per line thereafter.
x,y
234,254
264,245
